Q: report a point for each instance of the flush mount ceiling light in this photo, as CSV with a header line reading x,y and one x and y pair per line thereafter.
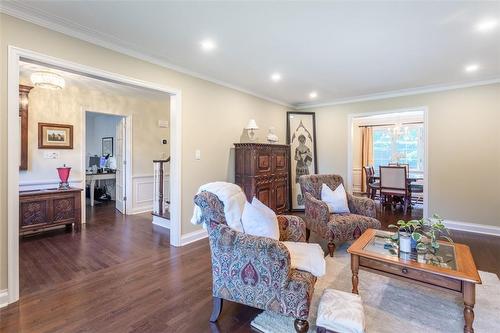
x,y
486,25
313,94
276,77
47,80
208,45
471,68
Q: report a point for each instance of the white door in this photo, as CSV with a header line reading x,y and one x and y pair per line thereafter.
x,y
121,166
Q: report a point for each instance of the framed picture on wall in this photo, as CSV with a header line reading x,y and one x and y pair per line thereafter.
x,y
301,136
107,146
55,136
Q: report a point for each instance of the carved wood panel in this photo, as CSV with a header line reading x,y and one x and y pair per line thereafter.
x,y
64,209
34,212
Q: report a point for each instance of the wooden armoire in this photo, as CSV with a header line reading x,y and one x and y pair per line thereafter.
x,y
262,171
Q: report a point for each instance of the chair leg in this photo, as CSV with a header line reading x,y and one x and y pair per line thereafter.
x,y
217,309
331,248
301,326
308,234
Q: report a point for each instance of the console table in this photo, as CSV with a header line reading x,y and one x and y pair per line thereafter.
x,y
40,209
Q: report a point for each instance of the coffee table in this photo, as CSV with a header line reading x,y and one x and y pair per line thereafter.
x,y
451,269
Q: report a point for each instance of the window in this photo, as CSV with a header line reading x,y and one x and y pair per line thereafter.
x,y
402,144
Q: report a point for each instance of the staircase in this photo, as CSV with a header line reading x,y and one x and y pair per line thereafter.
x,y
161,194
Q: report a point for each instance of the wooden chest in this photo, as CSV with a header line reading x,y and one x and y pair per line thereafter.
x,y
39,209
262,170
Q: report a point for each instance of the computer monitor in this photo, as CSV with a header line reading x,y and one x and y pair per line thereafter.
x,y
94,160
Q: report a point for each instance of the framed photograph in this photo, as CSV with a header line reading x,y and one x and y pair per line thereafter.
x,y
107,146
55,136
301,136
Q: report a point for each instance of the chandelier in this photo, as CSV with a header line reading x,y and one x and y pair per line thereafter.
x,y
47,80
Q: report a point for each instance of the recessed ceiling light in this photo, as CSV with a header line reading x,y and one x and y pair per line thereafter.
x,y
276,77
313,94
486,25
471,68
208,45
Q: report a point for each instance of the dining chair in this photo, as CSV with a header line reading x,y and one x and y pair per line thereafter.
x,y
394,185
372,185
406,165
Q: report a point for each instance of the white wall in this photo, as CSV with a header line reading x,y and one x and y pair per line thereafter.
x,y
99,126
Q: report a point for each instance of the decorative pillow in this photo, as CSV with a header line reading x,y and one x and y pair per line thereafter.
x,y
336,200
260,220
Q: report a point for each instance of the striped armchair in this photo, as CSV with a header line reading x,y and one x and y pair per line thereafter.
x,y
256,271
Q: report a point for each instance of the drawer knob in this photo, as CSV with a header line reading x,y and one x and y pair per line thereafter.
x,y
405,271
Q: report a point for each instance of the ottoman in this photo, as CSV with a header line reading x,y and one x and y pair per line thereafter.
x,y
340,312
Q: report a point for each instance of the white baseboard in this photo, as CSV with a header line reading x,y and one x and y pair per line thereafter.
x,y
193,236
473,227
139,210
4,298
161,222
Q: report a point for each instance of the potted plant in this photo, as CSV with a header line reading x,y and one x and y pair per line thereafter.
x,y
434,229
407,230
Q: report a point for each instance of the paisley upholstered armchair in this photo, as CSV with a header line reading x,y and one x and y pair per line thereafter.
x,y
256,271
336,228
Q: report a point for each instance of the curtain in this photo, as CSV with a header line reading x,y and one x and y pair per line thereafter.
x,y
366,153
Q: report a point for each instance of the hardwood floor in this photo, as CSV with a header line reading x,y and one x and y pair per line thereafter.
x,y
120,275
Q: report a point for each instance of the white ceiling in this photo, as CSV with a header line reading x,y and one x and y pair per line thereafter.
x,y
88,83
342,50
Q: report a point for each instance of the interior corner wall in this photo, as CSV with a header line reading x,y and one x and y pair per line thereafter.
x,y
213,116
463,148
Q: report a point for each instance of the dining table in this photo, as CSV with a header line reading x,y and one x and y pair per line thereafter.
x,y
412,177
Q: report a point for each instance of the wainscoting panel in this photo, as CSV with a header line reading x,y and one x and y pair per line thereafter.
x,y
142,193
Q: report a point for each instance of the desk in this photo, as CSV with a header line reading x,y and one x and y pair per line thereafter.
x,y
93,177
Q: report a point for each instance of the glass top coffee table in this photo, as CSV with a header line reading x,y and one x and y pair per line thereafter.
x,y
451,268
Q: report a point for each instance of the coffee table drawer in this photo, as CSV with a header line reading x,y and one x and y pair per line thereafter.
x,y
410,273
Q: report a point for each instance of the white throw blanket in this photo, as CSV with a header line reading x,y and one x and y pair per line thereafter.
x,y
307,257
233,199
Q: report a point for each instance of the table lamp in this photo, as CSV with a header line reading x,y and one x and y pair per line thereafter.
x,y
251,127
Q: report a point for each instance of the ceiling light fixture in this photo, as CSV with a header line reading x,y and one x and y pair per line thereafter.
x,y
208,45
486,25
49,80
313,94
276,77
471,68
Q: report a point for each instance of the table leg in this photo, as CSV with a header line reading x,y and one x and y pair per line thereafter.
x,y
92,186
354,269
469,293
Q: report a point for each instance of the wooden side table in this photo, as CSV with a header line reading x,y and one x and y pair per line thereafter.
x,y
460,276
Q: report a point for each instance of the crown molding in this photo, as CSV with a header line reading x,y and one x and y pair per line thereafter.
x,y
27,13
397,93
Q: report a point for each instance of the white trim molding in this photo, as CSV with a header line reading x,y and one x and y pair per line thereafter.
x,y
193,236
161,222
476,228
4,298
27,13
398,93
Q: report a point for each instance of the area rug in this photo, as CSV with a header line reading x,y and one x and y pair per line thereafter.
x,y
396,306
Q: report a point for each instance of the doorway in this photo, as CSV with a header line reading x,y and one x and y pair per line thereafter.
x,y
105,154
389,138
15,56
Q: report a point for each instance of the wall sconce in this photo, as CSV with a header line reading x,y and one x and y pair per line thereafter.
x,y
251,127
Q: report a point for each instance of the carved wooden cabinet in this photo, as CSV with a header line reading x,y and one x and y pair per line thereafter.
x,y
39,209
262,171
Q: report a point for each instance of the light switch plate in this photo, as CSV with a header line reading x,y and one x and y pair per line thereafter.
x,y
197,154
51,155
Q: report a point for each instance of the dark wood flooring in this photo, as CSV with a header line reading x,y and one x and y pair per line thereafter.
x,y
121,275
